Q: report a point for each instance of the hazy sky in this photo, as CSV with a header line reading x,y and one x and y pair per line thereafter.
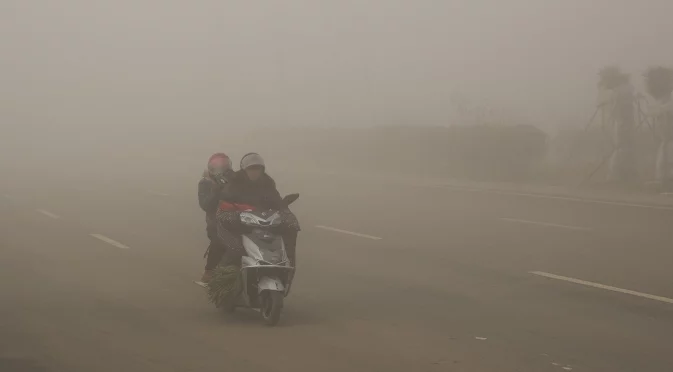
x,y
177,64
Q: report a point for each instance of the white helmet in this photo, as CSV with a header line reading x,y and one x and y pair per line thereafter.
x,y
252,159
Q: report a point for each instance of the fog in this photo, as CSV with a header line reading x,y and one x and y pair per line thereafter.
x,y
149,64
162,71
428,241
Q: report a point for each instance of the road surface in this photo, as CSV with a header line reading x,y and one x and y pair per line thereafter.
x,y
97,276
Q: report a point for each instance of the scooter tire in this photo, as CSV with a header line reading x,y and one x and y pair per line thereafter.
x,y
272,306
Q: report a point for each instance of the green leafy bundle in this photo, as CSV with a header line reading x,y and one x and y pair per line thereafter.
x,y
225,285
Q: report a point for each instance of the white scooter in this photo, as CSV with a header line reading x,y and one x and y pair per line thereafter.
x,y
266,272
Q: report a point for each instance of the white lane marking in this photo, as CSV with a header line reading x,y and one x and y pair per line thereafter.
x,y
481,338
113,243
156,193
348,232
603,286
48,214
546,224
566,198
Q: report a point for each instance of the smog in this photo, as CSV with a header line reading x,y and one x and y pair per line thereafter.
x,y
481,185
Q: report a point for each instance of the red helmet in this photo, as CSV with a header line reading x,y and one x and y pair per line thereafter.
x,y
218,164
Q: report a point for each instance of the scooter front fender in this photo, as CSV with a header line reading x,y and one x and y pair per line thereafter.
x,y
267,283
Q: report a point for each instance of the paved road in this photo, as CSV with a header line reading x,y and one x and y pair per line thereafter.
x,y
432,279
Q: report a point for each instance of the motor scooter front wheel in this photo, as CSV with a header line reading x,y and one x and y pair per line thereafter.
x,y
272,304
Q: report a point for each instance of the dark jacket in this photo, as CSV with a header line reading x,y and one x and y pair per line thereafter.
x,y
260,194
264,194
210,194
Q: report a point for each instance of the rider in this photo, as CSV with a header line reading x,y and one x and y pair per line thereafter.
x,y
212,188
253,186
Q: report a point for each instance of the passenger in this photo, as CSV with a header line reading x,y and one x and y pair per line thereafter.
x,y
212,188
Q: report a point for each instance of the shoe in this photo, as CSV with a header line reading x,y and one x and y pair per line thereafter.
x,y
207,276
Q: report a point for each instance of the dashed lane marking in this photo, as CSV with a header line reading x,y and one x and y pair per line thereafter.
x,y
349,232
603,286
107,240
49,214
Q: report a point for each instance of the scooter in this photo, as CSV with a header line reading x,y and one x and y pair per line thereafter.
x,y
266,272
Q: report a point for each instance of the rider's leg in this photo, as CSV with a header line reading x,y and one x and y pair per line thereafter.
x,y
213,254
290,240
290,230
234,247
